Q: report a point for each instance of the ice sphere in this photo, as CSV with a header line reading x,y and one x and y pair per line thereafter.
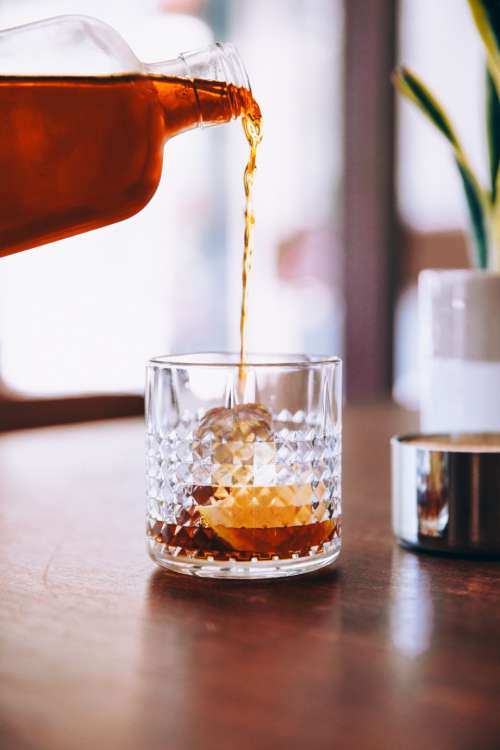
x,y
234,439
246,423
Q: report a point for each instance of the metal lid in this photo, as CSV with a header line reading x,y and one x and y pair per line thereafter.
x,y
446,492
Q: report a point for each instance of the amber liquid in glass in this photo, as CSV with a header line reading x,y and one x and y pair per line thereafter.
x,y
234,516
243,544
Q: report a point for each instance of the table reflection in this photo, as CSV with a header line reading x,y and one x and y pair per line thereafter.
x,y
411,612
223,659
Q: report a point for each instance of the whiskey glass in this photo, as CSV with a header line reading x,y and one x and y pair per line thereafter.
x,y
243,464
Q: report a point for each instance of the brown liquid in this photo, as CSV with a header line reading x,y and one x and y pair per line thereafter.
x,y
262,544
78,153
252,125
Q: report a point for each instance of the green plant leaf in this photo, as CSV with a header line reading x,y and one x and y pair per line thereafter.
x,y
486,14
477,215
493,131
415,90
494,235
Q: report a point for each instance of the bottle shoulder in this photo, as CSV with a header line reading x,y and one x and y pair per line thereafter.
x,y
69,45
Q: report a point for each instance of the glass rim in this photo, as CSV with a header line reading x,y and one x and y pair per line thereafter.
x,y
252,360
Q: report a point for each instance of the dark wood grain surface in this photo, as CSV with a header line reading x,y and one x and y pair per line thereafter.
x,y
98,649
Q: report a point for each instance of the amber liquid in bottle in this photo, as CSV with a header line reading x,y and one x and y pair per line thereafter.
x,y
78,153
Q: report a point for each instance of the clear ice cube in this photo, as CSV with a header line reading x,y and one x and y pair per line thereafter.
x,y
245,422
240,442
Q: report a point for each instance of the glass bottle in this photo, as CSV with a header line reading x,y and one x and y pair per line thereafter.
x,y
84,122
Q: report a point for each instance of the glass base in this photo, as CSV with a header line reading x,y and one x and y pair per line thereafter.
x,y
244,570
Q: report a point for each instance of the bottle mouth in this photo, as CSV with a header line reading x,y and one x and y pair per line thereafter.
x,y
233,65
219,62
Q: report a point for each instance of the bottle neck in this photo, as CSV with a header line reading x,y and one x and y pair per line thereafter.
x,y
197,89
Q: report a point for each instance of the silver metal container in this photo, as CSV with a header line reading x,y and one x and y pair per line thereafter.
x,y
446,492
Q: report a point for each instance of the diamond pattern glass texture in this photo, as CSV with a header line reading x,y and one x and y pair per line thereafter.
x,y
235,486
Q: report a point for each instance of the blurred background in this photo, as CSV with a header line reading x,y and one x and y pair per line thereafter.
x,y
355,194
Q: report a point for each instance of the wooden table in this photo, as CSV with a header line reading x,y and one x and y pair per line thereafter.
x,y
99,649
